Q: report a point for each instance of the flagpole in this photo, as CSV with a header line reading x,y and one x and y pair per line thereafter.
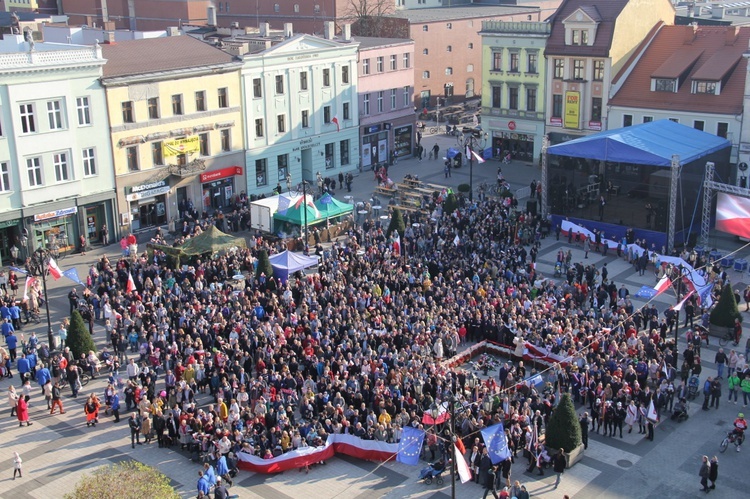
x,y
677,317
38,267
453,443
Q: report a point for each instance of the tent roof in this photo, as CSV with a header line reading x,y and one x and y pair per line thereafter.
x,y
651,143
295,214
210,241
292,261
333,207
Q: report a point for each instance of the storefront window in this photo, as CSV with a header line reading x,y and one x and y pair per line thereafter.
x,y
375,148
402,140
330,163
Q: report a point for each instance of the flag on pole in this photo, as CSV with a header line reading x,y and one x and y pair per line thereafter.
x,y
410,446
663,285
679,306
72,274
131,284
54,270
27,285
397,244
456,240
651,414
479,159
441,417
336,121
496,442
463,469
16,269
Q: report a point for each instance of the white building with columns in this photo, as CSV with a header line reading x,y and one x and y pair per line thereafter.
x,y
56,176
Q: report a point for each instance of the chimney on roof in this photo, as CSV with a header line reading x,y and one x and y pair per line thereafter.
x,y
733,33
264,29
697,11
717,12
211,16
173,31
690,34
109,25
109,37
288,30
329,30
347,32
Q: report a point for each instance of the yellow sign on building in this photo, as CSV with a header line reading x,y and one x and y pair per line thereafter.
x,y
572,109
188,145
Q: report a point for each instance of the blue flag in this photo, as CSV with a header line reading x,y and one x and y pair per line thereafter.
x,y
72,274
496,442
410,446
646,292
16,269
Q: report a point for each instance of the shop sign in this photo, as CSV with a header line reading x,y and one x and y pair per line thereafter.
x,y
149,193
372,129
188,145
511,125
55,214
229,171
146,187
555,122
402,129
595,125
8,223
572,109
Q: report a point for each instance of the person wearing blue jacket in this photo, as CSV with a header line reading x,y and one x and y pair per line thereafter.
x,y
115,404
43,376
23,366
210,474
203,485
223,470
12,343
7,327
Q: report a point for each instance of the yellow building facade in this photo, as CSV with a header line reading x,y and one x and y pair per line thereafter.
x,y
177,139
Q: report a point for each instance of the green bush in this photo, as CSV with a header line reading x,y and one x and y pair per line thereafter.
x,y
563,430
79,339
125,480
264,265
451,204
397,223
725,311
464,187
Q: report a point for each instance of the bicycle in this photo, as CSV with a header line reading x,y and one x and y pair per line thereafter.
x,y
83,379
724,340
731,438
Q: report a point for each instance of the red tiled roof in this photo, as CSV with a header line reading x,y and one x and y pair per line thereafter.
x,y
608,11
153,55
678,62
720,51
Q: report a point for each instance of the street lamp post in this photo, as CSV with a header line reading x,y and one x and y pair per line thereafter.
x,y
304,203
38,266
435,414
289,182
471,140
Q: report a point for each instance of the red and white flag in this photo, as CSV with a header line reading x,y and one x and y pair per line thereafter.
x,y
679,306
397,244
651,414
663,285
463,469
336,121
131,283
27,285
54,270
479,159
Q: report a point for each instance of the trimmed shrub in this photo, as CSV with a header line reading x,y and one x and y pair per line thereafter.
x,y
125,480
79,340
725,311
397,223
563,430
264,265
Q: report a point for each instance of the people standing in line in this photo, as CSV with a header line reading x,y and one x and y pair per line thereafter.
x,y
558,464
17,466
713,472
703,473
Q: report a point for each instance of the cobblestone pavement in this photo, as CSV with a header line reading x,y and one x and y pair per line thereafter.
x,y
58,450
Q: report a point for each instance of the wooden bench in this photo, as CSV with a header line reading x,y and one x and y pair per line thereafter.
x,y
435,187
410,209
385,191
412,182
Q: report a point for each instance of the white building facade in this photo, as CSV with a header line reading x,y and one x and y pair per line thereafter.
x,y
301,112
56,176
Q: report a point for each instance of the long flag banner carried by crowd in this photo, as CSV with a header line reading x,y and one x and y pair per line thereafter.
x,y
694,279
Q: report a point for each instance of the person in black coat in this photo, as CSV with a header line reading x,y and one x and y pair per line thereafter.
x,y
584,422
713,471
558,464
486,474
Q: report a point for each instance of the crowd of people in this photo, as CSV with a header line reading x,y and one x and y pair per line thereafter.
x,y
359,346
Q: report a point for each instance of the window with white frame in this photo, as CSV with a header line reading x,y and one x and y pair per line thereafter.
x,y
84,112
344,152
449,70
380,101
365,66
281,123
89,162
393,98
261,170
5,177
599,70
305,118
54,114
393,62
366,104
326,114
407,60
579,69
704,87
380,63
407,96
345,110
34,171
425,75
60,162
28,123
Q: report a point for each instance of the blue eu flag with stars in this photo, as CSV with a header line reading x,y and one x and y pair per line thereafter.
x,y
410,446
496,442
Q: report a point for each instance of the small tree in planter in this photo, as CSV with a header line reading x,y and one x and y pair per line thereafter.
x,y
79,340
264,265
450,204
725,312
564,430
464,188
397,223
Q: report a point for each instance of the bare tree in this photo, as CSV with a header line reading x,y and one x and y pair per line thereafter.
x,y
368,17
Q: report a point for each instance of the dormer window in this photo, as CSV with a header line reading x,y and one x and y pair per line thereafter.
x,y
580,37
705,87
664,85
